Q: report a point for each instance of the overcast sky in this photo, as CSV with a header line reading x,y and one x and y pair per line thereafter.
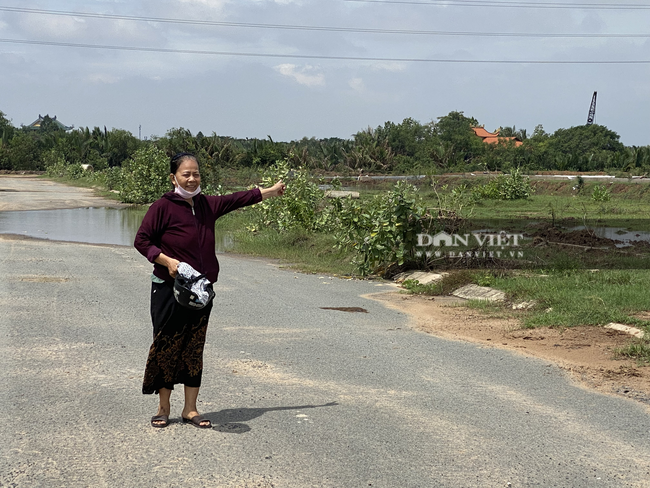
x,y
291,97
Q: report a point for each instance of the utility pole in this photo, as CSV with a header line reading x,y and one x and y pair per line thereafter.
x,y
592,110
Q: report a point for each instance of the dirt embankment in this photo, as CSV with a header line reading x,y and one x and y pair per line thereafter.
x,y
586,352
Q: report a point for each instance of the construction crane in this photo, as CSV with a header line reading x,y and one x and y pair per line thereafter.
x,y
592,110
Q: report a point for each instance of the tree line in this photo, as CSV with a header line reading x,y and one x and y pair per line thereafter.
x,y
447,144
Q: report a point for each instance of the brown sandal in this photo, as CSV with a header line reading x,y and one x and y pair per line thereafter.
x,y
196,421
163,419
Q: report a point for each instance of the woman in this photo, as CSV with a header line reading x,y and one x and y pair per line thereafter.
x,y
179,227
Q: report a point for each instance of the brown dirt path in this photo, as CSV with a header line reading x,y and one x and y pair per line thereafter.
x,y
586,352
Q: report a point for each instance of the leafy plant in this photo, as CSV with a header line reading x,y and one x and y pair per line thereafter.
x,y
145,177
514,186
55,164
299,206
601,194
455,204
384,231
484,279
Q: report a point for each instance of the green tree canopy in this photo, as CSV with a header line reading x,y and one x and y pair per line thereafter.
x,y
455,130
5,123
406,138
585,140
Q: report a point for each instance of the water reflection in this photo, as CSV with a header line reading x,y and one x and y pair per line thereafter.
x,y
617,233
89,225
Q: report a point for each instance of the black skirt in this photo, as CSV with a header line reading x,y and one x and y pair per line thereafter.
x,y
176,355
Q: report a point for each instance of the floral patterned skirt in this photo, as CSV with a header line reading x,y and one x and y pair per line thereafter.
x,y
176,355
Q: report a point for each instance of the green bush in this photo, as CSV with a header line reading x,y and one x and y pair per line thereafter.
x,y
113,178
145,177
383,232
74,171
298,208
55,164
601,194
514,186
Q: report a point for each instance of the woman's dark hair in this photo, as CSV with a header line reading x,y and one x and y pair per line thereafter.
x,y
177,159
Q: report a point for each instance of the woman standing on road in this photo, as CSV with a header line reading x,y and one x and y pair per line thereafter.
x,y
179,227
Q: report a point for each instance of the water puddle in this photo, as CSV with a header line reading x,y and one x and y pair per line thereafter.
x,y
346,309
625,236
88,225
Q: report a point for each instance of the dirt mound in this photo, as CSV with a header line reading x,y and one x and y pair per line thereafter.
x,y
584,237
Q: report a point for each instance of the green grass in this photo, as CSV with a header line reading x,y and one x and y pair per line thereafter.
x,y
639,350
563,208
581,297
302,250
630,201
563,298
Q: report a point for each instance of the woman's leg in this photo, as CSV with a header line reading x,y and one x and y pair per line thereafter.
x,y
190,411
164,406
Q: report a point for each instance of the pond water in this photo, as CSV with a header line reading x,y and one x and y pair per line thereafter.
x,y
89,225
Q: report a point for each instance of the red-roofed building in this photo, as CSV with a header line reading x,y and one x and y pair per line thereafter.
x,y
494,138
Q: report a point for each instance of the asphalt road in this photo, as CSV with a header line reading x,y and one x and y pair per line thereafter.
x,y
300,396
30,192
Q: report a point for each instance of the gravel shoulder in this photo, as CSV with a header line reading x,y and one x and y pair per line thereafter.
x,y
587,353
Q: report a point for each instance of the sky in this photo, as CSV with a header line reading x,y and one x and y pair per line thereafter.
x,y
324,83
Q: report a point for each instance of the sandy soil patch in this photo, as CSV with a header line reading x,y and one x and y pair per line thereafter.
x,y
586,352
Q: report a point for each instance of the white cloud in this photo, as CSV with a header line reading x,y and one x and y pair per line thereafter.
x,y
302,75
102,78
357,84
389,66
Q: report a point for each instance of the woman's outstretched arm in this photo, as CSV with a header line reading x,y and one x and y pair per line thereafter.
x,y
276,190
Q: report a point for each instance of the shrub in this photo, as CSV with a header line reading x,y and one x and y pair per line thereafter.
x,y
514,186
601,194
145,177
298,208
113,178
55,164
384,231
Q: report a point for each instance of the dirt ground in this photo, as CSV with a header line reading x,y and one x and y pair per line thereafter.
x,y
585,352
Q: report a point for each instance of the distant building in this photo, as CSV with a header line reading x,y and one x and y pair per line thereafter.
x,y
37,123
494,138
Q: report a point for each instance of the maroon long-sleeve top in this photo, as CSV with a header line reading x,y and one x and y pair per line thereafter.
x,y
172,227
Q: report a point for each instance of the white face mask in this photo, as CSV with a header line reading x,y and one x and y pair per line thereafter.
x,y
184,193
